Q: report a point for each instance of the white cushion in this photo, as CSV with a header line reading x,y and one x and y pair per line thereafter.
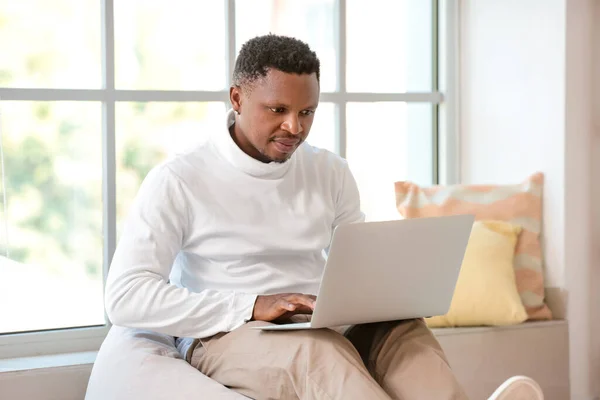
x,y
134,364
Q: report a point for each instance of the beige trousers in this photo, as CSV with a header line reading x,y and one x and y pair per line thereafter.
x,y
398,360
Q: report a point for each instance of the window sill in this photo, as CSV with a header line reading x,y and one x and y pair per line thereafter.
x,y
484,329
47,362
61,341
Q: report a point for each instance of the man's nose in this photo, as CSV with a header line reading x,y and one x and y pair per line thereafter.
x,y
292,125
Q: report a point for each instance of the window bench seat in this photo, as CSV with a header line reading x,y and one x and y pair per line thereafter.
x,y
483,357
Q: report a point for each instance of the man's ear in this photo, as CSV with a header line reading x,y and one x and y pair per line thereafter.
x,y
235,97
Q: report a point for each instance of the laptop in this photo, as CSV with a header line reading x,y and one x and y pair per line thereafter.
x,y
388,270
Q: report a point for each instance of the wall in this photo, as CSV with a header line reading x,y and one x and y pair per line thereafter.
x,y
526,105
595,309
577,195
512,102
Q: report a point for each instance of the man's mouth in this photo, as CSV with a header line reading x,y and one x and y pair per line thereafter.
x,y
285,145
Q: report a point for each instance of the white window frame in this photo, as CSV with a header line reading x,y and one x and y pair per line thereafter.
x,y
442,97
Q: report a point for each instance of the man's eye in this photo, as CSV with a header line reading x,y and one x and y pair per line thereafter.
x,y
308,112
277,110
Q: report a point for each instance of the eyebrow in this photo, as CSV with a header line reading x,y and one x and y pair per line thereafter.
x,y
282,105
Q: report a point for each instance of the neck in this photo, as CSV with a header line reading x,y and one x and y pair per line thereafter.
x,y
244,144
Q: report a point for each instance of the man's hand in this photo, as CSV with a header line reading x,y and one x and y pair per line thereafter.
x,y
282,306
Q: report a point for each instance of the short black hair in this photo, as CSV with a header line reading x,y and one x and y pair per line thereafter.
x,y
283,53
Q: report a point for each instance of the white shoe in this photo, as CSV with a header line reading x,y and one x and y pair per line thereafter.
x,y
518,388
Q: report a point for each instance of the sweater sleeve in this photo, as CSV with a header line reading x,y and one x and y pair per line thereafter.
x,y
348,200
138,293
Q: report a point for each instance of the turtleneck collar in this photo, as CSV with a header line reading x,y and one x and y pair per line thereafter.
x,y
229,150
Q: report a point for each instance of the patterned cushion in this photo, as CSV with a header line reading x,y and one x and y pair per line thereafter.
x,y
520,204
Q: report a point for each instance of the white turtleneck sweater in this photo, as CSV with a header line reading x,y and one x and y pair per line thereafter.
x,y
212,229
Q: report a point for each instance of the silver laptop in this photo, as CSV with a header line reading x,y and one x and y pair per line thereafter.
x,y
390,270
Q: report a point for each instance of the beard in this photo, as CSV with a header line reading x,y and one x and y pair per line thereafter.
x,y
268,159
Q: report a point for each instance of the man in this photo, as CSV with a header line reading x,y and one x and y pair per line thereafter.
x,y
232,235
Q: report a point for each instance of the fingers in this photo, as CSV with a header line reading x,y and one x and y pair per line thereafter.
x,y
302,299
271,307
289,309
286,304
303,310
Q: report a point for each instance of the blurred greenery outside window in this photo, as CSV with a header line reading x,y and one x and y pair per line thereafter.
x,y
170,64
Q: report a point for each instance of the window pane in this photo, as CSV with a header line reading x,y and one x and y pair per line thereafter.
x,y
389,47
170,45
148,133
50,44
51,225
323,132
311,21
387,142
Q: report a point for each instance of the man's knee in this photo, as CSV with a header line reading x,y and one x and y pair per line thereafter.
x,y
410,339
310,344
327,345
320,337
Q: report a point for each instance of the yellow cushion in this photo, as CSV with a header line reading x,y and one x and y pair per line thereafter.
x,y
486,291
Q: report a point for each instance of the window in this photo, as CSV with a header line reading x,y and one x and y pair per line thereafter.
x,y
94,93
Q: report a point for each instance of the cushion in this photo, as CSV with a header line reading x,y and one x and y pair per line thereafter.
x,y
520,204
136,364
486,292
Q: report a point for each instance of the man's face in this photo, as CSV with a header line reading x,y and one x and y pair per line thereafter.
x,y
275,114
